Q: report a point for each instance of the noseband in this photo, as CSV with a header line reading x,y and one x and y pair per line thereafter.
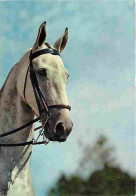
x,y
42,104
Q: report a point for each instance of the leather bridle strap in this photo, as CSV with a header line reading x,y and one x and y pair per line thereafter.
x,y
44,51
31,69
32,142
40,100
20,128
60,106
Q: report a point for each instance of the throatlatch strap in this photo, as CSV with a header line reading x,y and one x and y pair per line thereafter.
x,y
25,83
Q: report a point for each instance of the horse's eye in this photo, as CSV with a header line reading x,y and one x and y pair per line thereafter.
x,y
42,72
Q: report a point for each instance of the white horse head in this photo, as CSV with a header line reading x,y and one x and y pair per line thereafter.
x,y
52,77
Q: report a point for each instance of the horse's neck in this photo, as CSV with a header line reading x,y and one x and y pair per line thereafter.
x,y
14,111
14,161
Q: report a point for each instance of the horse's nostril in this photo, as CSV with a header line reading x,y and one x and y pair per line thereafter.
x,y
60,129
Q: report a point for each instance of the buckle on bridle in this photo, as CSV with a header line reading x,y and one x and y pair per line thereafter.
x,y
46,116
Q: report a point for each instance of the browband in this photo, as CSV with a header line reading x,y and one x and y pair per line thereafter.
x,y
44,51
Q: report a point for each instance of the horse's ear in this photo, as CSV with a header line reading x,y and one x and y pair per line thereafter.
x,y
41,37
62,41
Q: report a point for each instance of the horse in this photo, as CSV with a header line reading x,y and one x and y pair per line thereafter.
x,y
35,87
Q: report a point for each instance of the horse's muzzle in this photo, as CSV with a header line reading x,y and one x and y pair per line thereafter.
x,y
60,133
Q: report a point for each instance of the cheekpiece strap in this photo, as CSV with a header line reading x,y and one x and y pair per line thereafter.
x,y
44,51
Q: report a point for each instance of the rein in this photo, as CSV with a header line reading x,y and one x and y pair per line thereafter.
x,y
41,103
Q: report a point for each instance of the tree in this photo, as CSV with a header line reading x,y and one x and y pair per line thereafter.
x,y
96,157
107,179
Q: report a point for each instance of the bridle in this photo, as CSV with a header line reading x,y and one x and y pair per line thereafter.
x,y
41,102
40,99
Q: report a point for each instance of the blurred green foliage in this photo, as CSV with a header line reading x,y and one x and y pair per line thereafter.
x,y
107,179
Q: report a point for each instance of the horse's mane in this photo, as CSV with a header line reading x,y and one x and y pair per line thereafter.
x,y
2,88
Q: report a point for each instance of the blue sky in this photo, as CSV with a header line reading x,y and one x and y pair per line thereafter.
x,y
100,58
